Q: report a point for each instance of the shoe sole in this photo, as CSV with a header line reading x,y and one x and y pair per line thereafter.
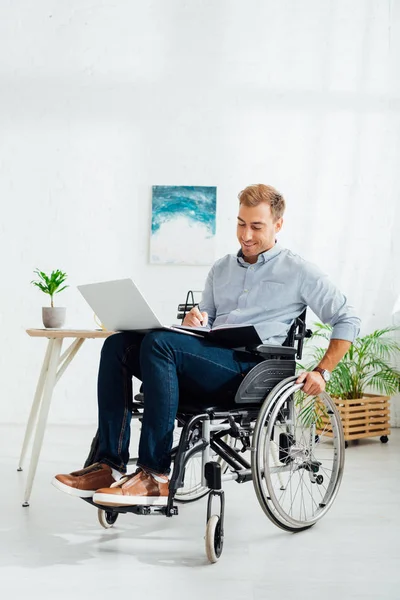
x,y
110,500
67,489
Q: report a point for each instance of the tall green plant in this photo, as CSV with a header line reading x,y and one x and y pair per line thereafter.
x,y
50,284
368,364
311,412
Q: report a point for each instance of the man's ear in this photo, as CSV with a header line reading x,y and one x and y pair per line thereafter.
x,y
278,224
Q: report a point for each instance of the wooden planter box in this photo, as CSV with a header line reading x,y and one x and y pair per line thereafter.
x,y
364,417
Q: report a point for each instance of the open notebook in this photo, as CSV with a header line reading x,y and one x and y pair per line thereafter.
x,y
233,336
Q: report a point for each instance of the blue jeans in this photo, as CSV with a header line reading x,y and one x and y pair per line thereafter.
x,y
170,365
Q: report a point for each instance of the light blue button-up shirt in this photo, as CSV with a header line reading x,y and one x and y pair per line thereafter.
x,y
271,293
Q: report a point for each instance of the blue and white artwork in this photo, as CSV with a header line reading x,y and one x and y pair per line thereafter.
x,y
183,225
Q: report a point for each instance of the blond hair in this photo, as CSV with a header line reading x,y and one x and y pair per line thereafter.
x,y
253,195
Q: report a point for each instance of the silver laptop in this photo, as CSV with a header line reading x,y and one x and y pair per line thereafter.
x,y
120,306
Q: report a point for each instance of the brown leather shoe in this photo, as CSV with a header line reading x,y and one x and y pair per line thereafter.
x,y
140,488
85,482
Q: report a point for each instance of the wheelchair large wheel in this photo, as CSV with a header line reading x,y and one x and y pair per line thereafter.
x,y
298,456
193,489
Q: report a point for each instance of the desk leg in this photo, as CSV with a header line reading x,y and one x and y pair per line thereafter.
x,y
35,404
43,414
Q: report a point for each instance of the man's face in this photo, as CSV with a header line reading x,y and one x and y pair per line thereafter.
x,y
256,230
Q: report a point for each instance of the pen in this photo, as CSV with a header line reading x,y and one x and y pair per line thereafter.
x,y
201,316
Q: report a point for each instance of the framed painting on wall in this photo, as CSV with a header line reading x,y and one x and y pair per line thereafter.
x,y
183,225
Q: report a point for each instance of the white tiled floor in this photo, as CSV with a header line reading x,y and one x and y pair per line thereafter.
x,y
56,549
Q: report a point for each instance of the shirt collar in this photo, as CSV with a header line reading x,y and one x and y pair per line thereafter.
x,y
261,258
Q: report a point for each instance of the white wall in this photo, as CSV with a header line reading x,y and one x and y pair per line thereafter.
x,y
99,101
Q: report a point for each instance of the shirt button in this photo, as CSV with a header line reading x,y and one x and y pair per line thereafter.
x,y
246,290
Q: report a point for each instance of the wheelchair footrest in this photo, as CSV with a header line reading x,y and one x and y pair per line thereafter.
x,y
136,509
146,510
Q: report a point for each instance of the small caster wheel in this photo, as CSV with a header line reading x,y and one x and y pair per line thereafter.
x,y
106,518
346,444
316,439
214,539
319,479
384,439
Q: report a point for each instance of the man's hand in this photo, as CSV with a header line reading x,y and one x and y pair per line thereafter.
x,y
195,318
314,383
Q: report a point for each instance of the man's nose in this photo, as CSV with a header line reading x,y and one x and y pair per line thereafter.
x,y
247,234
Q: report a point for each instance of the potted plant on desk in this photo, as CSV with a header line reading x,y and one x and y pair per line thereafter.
x,y
367,365
52,316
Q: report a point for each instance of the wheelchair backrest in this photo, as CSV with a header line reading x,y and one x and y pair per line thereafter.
x,y
297,333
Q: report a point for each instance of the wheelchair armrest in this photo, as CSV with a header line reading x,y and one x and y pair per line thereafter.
x,y
272,350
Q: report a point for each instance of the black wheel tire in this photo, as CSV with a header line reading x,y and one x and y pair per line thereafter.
x,y
182,500
111,517
346,444
384,439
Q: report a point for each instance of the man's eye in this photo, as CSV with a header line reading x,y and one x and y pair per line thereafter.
x,y
257,228
241,224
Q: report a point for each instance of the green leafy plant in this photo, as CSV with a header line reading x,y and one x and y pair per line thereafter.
x,y
367,365
50,284
310,410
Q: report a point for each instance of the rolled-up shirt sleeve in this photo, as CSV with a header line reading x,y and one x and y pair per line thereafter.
x,y
329,304
207,303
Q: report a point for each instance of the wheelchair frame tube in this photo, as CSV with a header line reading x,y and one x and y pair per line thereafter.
x,y
230,455
205,457
177,473
237,475
221,427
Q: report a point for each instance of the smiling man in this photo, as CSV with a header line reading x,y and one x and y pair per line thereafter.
x,y
265,285
258,225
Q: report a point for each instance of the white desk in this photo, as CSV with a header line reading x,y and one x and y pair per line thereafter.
x,y
54,365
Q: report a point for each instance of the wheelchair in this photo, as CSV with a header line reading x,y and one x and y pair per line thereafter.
x,y
290,445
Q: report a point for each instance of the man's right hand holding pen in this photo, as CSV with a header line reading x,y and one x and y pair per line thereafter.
x,y
195,318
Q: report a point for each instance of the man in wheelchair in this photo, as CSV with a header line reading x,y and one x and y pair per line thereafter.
x,y
265,285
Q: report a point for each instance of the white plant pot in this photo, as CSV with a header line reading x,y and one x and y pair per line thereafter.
x,y
53,318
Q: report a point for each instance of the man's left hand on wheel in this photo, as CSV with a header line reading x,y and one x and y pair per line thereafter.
x,y
313,381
